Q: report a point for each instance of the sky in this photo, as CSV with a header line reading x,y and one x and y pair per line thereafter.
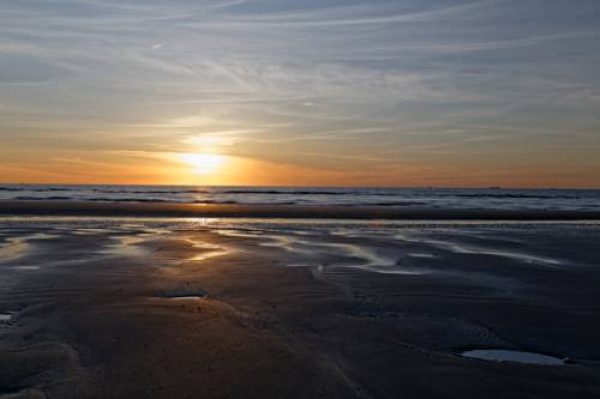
x,y
311,92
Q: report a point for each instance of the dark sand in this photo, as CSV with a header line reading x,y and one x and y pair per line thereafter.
x,y
141,209
132,309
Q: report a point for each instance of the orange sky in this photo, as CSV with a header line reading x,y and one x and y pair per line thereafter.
x,y
381,93
217,169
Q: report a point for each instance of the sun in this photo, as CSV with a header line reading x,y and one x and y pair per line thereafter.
x,y
204,163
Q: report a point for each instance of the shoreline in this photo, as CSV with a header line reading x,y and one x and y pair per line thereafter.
x,y
90,208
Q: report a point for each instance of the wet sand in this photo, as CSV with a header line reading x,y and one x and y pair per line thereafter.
x,y
167,209
224,309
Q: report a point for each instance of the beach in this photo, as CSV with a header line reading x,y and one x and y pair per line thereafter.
x,y
168,307
278,199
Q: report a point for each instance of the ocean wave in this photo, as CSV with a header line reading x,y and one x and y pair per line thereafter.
x,y
231,202
150,200
35,190
305,192
55,198
214,202
105,191
398,203
50,189
513,196
301,193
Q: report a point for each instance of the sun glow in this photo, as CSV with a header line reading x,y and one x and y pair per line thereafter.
x,y
204,164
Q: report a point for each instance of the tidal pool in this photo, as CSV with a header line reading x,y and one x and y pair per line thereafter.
x,y
504,355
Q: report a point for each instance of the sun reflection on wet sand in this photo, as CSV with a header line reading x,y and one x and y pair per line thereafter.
x,y
209,250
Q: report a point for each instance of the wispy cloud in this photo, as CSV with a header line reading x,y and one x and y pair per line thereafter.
x,y
361,81
363,14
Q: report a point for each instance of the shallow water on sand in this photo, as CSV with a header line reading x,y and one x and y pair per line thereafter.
x,y
385,304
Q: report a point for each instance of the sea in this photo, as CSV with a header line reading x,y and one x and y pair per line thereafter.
x,y
424,197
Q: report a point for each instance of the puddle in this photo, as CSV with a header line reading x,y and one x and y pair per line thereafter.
x,y
503,355
421,255
186,298
183,294
43,236
26,268
90,231
5,317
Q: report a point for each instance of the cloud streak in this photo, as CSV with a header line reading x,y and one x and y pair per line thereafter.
x,y
367,81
